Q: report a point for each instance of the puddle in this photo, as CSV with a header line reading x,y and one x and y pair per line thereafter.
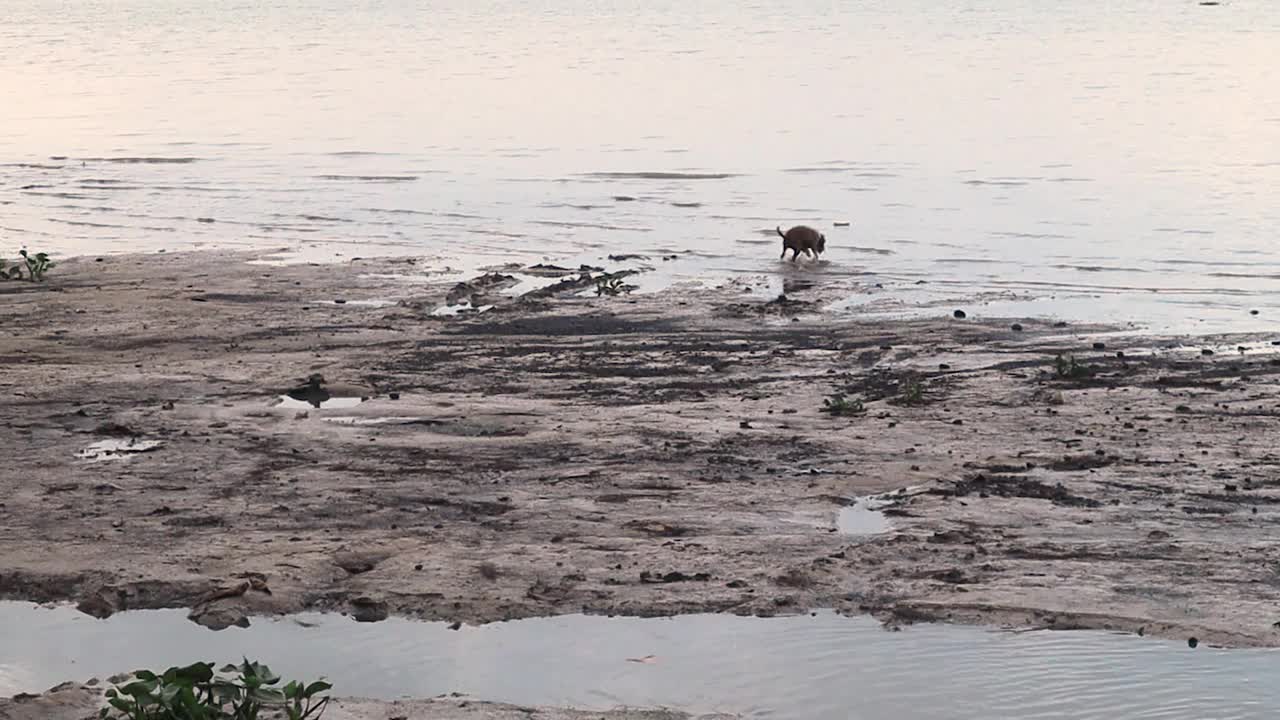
x,y
823,667
318,401
359,303
448,310
117,449
863,517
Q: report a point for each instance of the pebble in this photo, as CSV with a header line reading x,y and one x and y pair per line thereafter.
x,y
959,314
1206,352
1016,327
1099,346
1192,642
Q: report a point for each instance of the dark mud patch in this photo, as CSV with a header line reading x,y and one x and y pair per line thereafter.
x,y
562,325
1013,486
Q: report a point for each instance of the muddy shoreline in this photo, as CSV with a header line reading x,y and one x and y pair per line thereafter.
x,y
638,454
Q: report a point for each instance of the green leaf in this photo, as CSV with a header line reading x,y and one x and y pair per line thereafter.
x,y
268,696
140,688
315,687
145,675
198,672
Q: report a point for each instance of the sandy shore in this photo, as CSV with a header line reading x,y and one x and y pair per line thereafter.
x,y
643,454
76,701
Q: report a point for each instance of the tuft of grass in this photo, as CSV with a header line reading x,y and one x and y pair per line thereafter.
x,y
611,286
838,404
912,393
247,691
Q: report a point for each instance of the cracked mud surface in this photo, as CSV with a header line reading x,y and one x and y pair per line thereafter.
x,y
641,454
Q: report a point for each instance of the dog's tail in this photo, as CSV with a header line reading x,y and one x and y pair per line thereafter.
x,y
780,233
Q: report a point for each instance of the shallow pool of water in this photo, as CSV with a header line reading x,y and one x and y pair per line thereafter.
x,y
863,517
319,402
821,667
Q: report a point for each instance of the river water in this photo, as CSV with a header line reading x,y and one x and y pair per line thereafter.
x,y
1114,161
823,667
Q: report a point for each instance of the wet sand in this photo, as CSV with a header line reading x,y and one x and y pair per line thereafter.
x,y
641,454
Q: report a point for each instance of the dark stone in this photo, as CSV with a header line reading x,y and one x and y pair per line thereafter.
x,y
366,609
959,314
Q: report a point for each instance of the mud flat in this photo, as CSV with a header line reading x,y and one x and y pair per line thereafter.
x,y
635,455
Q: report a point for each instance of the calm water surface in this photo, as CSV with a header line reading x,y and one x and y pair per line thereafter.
x,y
1100,161
799,668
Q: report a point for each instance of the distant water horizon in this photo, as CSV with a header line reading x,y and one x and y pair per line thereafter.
x,y
1114,163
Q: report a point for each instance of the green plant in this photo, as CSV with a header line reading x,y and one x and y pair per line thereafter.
x,y
838,404
611,286
9,272
912,393
197,692
36,265
1067,367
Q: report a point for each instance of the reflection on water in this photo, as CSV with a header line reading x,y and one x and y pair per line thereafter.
x,y
1112,159
806,668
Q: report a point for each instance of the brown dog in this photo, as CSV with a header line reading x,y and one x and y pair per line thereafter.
x,y
802,238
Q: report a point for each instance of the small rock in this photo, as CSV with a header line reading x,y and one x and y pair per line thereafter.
x,y
358,562
959,315
339,301
366,609
744,425
100,605
394,395
1099,346
218,617
1192,642
943,366
456,626
1206,352
1016,327
1253,312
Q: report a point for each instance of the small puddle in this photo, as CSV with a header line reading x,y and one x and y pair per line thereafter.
x,y
117,449
313,402
450,310
863,517
820,667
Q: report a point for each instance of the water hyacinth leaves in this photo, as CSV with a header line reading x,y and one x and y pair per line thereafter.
x,y
36,265
197,692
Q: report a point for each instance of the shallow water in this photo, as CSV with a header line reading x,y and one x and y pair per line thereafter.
x,y
822,667
1116,161
862,518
